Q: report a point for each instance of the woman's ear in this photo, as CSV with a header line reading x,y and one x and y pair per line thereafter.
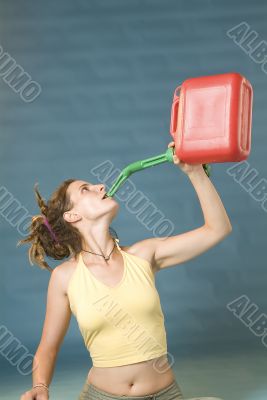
x,y
71,217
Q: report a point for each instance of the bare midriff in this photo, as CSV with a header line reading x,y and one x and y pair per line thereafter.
x,y
136,379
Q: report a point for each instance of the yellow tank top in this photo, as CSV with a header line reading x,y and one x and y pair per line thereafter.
x,y
123,324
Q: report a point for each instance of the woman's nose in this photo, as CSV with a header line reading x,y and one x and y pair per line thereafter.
x,y
101,187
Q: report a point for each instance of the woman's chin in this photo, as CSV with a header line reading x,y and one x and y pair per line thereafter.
x,y
110,199
112,202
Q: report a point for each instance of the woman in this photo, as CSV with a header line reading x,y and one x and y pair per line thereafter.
x,y
128,347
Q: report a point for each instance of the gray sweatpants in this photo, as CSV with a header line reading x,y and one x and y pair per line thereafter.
x,y
171,392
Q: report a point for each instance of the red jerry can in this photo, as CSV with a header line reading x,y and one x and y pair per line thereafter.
x,y
211,119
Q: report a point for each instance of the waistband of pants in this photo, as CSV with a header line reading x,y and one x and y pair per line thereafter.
x,y
101,394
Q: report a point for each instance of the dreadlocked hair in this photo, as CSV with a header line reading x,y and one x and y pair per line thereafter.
x,y
42,243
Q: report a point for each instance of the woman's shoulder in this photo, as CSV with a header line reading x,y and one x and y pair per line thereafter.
x,y
141,249
65,271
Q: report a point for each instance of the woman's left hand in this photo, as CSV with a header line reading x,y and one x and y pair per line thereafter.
x,y
186,168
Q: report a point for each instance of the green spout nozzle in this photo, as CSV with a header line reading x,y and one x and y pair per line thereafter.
x,y
142,164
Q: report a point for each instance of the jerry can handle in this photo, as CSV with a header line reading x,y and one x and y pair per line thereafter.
x,y
174,112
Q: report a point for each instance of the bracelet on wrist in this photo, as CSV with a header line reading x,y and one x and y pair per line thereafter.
x,y
41,385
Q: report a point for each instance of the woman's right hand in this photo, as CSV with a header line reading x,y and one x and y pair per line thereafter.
x,y
38,393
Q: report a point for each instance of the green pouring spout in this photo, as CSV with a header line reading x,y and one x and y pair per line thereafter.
x,y
142,164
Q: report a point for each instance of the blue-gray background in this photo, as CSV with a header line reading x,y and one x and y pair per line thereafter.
x,y
108,70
